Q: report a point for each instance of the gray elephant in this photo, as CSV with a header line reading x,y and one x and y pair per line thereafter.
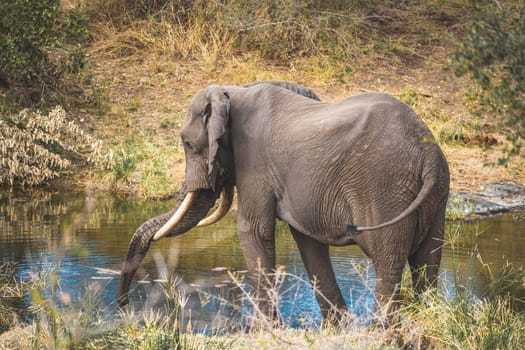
x,y
363,171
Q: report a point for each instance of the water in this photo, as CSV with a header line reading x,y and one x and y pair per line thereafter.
x,y
83,239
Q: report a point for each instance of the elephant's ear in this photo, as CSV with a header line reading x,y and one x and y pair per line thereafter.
x,y
217,125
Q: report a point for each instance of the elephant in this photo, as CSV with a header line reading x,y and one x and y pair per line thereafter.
x,y
363,171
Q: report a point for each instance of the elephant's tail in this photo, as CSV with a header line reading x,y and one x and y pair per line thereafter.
x,y
428,187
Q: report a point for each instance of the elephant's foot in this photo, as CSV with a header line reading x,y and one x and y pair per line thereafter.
x,y
387,313
339,319
264,316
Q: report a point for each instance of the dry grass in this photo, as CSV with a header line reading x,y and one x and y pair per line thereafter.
x,y
150,67
16,338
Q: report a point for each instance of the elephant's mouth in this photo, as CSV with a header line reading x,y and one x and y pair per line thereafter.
x,y
225,203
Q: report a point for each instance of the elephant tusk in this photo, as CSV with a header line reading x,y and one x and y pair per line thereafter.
x,y
225,203
175,219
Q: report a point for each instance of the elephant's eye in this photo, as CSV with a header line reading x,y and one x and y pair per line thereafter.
x,y
188,145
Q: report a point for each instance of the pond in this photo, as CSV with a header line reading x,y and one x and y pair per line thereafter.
x,y
83,238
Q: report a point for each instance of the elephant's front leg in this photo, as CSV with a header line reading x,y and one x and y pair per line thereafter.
x,y
316,260
257,237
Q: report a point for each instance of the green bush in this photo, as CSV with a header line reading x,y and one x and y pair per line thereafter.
x,y
38,48
493,55
26,27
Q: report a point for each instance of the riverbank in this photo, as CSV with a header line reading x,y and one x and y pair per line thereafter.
x,y
144,80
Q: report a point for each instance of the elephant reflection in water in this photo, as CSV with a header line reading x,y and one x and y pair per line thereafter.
x,y
363,171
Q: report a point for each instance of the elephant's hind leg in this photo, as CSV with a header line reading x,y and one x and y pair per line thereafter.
x,y
388,288
316,259
424,263
389,250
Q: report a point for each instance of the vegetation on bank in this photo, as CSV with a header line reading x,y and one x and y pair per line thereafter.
x,y
493,55
38,148
123,72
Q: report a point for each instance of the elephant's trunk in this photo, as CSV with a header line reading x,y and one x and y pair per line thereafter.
x,y
177,217
143,236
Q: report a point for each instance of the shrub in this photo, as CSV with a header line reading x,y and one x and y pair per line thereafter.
x,y
493,55
35,148
38,48
284,29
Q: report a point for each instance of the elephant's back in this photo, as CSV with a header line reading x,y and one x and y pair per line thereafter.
x,y
380,110
355,128
363,120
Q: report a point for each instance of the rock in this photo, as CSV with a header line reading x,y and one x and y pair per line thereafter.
x,y
509,194
219,269
490,199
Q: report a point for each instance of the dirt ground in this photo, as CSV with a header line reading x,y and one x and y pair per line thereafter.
x,y
148,97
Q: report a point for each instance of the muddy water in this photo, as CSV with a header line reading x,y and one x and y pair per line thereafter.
x,y
83,240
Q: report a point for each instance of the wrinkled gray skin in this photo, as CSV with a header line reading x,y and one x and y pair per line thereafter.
x,y
331,171
143,236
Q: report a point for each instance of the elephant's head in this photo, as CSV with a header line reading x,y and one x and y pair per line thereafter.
x,y
210,175
205,138
209,159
